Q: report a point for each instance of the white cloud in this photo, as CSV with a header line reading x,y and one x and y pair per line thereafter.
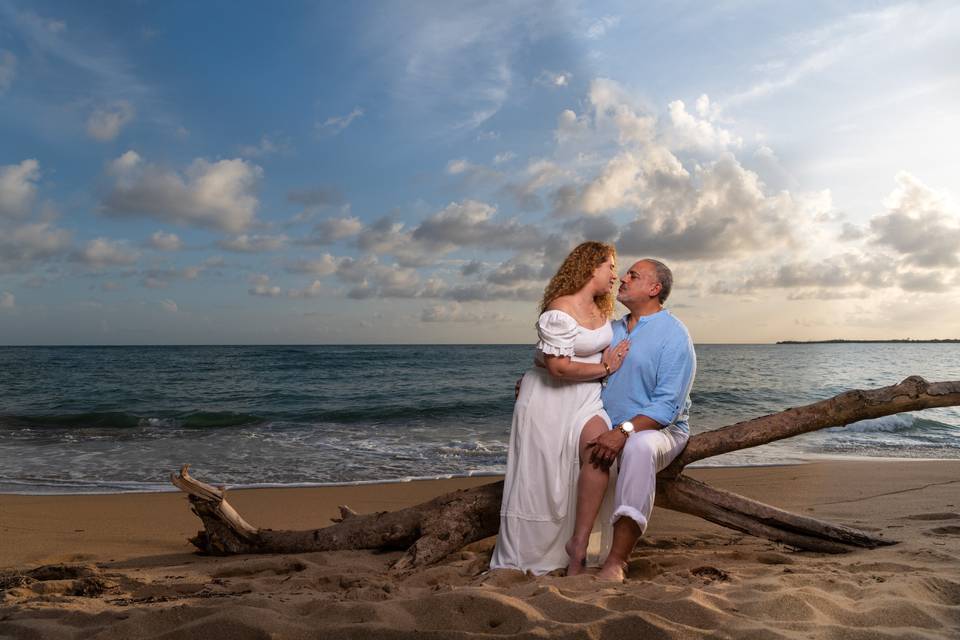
x,y
920,224
217,195
455,312
690,132
18,187
331,230
601,26
102,252
266,147
165,241
458,166
8,69
571,127
506,156
469,223
554,79
260,286
169,306
105,123
369,278
314,290
245,243
7,300
29,243
613,108
336,124
324,266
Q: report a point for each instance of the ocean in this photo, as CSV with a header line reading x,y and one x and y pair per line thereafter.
x,y
120,419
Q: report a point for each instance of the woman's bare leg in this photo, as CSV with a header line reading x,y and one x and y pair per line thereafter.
x,y
591,486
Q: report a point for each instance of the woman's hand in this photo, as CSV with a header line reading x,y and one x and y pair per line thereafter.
x,y
613,356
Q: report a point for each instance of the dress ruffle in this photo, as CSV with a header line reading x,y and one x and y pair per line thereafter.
x,y
557,332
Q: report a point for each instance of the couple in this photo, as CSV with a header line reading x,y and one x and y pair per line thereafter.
x,y
600,390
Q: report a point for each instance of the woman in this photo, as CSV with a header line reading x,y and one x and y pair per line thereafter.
x,y
543,525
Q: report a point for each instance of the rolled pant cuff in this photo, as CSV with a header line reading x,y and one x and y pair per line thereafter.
x,y
633,514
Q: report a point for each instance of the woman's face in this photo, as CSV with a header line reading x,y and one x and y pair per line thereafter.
x,y
605,276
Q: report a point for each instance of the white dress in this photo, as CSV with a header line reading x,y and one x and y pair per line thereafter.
x,y
540,489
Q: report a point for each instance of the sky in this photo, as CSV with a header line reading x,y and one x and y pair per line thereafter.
x,y
414,172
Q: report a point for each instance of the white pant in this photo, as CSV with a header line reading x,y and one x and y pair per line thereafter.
x,y
644,454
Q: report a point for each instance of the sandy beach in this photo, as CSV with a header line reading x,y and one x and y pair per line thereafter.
x,y
128,570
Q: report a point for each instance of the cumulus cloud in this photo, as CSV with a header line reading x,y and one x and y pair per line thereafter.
x,y
218,195
18,188
7,300
690,132
260,286
245,243
331,230
323,266
105,123
471,268
514,271
8,69
488,291
504,157
554,78
538,175
169,306
455,312
723,211
313,290
369,278
28,243
920,224
165,241
103,252
335,124
470,224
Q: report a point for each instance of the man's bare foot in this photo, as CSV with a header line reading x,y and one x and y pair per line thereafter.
x,y
613,572
578,557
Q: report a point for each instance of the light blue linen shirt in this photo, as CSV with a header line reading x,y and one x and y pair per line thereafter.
x,y
656,377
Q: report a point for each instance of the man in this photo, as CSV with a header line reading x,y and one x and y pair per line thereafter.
x,y
648,400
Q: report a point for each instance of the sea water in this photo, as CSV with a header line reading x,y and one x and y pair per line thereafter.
x,y
113,419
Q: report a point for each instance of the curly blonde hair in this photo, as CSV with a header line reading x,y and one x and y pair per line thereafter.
x,y
576,271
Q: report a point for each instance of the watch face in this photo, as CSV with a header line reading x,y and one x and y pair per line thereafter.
x,y
627,426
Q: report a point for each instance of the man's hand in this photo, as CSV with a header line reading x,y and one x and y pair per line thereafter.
x,y
606,447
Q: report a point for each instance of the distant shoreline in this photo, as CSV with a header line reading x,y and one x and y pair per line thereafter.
x,y
897,341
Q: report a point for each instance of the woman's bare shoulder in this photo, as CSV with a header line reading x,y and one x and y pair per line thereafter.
x,y
561,303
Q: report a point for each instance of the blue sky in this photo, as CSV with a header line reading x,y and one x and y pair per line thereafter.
x,y
413,172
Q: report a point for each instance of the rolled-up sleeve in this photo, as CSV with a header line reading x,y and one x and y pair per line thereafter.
x,y
675,372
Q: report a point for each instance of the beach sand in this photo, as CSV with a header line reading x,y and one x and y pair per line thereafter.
x,y
131,574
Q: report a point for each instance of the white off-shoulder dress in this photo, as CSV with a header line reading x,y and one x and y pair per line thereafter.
x,y
540,489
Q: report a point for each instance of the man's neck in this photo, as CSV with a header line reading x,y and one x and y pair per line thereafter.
x,y
645,308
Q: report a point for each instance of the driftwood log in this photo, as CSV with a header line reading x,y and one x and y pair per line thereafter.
x,y
430,531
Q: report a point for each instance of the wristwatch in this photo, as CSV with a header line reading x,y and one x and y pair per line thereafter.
x,y
626,428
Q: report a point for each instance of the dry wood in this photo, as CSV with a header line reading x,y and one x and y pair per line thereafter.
x,y
427,531
852,406
432,530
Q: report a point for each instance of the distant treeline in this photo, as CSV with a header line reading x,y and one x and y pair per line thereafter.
x,y
841,341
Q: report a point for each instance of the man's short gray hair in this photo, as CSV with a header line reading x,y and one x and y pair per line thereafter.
x,y
664,277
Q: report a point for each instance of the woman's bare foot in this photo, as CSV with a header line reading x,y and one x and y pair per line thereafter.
x,y
578,557
613,572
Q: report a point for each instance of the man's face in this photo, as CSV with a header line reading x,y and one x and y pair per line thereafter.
x,y
639,283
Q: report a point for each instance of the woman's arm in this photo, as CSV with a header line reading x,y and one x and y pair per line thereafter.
x,y
564,368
